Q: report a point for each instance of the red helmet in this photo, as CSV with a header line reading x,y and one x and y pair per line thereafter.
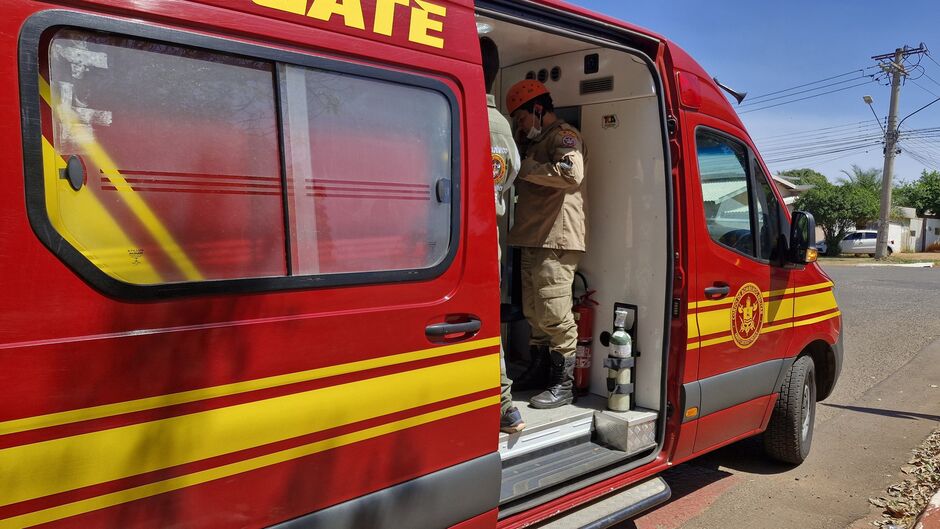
x,y
523,92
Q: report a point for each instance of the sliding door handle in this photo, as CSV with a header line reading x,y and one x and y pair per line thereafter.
x,y
438,330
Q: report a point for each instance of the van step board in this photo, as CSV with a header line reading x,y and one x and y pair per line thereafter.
x,y
535,474
546,428
615,508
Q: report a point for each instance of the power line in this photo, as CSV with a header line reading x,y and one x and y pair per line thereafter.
x,y
918,85
752,103
814,130
822,153
837,157
818,137
810,147
929,56
925,160
861,70
807,97
921,144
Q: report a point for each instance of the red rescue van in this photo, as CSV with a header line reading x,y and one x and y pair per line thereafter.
x,y
250,279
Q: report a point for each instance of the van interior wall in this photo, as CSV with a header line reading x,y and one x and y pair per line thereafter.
x,y
627,257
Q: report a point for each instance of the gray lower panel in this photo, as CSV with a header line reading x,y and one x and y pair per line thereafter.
x,y
425,502
723,391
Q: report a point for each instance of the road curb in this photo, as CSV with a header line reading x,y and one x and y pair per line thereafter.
x,y
924,264
930,518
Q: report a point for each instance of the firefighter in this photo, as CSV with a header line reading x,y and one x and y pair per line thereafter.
x,y
551,228
505,157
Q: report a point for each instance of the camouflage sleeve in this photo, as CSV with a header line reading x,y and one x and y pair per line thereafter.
x,y
566,168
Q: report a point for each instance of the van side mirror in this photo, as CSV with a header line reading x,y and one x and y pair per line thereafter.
x,y
802,238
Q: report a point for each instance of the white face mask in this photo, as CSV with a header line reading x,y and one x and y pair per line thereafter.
x,y
534,132
536,128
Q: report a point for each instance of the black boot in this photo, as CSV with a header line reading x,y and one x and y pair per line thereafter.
x,y
562,380
536,375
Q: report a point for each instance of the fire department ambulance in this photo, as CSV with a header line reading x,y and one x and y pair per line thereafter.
x,y
250,279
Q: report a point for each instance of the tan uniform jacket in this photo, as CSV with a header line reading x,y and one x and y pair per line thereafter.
x,y
551,211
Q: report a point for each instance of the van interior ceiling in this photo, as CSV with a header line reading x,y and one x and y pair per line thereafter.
x,y
611,96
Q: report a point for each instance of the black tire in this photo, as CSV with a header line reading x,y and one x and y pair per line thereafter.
x,y
789,435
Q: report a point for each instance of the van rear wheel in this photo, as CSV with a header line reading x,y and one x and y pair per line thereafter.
x,y
789,434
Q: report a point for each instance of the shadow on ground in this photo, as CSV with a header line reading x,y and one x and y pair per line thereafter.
x,y
897,414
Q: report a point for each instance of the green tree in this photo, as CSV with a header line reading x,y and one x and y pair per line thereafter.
x,y
867,183
868,179
837,209
804,176
922,194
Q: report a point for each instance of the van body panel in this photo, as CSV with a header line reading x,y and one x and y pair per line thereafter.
x,y
166,387
256,402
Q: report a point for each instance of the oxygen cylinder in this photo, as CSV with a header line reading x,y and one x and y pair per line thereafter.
x,y
619,364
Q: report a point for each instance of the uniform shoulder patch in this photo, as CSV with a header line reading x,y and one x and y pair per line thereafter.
x,y
569,138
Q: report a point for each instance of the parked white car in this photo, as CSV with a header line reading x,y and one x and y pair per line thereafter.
x,y
863,241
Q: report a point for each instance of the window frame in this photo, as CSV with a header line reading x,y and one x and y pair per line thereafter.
x,y
752,162
783,223
30,47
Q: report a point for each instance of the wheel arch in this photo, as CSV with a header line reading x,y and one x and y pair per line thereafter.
x,y
828,363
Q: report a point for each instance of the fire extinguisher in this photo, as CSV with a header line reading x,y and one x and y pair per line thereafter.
x,y
584,316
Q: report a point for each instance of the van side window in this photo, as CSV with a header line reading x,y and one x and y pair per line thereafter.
x,y
169,164
722,169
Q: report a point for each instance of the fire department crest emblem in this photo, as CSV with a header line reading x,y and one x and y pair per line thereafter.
x,y
499,168
747,315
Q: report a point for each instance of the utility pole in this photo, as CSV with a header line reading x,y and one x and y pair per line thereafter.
x,y
896,69
891,138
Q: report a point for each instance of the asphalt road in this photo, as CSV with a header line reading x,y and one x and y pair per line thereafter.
x,y
885,404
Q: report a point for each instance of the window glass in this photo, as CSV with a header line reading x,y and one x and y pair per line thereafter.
x,y
181,158
722,170
869,235
851,237
768,218
364,161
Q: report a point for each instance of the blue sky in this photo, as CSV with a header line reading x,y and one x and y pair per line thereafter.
x,y
763,47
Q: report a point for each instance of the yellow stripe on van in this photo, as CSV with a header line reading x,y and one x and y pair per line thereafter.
x,y
152,489
776,311
49,467
692,325
814,303
818,319
817,286
713,322
99,157
172,399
